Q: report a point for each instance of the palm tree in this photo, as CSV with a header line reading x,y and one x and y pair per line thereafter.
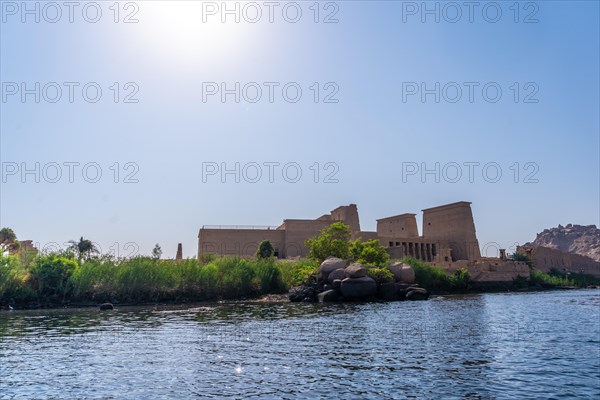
x,y
83,247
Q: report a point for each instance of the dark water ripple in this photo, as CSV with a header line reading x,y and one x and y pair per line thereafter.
x,y
492,346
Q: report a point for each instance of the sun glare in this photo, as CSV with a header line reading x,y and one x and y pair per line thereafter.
x,y
192,31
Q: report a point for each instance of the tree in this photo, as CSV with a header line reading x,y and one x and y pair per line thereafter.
x,y
8,241
370,253
265,249
51,274
156,252
82,248
333,240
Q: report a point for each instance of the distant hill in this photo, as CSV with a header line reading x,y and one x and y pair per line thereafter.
x,y
577,239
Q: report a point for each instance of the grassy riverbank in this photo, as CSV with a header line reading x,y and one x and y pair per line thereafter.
x,y
62,279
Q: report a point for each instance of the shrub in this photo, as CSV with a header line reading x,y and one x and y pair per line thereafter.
x,y
95,279
558,278
380,275
295,273
265,249
146,279
51,275
206,258
333,240
370,253
237,276
584,280
430,277
462,278
14,281
269,276
539,277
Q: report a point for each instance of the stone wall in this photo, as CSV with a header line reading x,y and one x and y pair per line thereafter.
x,y
237,242
546,259
488,269
297,231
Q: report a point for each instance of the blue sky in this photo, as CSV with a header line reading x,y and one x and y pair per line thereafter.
x,y
370,58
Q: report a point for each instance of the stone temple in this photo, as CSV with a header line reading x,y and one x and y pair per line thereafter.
x,y
448,234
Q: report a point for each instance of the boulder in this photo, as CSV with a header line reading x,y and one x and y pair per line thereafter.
x,y
106,306
329,265
336,274
388,291
357,288
401,289
413,293
328,296
402,272
355,271
404,286
304,293
337,283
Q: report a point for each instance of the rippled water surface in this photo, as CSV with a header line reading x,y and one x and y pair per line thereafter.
x,y
491,346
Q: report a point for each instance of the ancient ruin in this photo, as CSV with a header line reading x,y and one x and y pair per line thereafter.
x,y
448,234
449,239
179,255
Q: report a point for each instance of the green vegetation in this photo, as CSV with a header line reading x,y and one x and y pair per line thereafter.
x,y
265,250
333,240
539,277
62,278
436,279
8,240
369,253
462,278
558,278
583,280
297,272
380,275
14,280
51,275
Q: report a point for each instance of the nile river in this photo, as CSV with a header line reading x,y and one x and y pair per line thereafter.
x,y
490,346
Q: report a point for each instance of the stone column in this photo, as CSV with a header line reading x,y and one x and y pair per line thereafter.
x,y
179,255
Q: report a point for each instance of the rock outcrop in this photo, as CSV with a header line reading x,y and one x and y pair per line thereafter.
x,y
356,271
358,288
106,306
576,239
339,273
402,272
330,265
352,283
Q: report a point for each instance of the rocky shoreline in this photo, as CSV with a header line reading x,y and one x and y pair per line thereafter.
x,y
337,281
285,298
